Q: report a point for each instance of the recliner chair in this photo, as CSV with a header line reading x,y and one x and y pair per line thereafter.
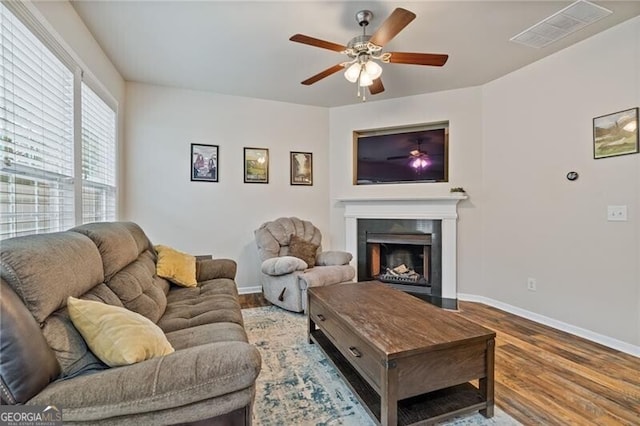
x,y
285,277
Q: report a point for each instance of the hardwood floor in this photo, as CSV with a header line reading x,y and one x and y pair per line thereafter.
x,y
253,300
544,376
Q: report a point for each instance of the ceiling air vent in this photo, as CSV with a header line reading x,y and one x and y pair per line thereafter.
x,y
570,19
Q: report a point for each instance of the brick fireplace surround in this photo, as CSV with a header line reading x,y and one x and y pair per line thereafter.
x,y
442,207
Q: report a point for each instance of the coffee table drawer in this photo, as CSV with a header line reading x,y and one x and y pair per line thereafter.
x,y
360,354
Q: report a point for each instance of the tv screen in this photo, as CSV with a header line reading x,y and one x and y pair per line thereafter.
x,y
414,156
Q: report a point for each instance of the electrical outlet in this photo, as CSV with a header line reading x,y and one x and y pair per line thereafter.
x,y
617,213
531,284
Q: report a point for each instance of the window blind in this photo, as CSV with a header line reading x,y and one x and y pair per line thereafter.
x,y
36,134
98,158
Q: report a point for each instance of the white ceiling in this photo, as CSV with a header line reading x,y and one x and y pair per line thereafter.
x,y
243,48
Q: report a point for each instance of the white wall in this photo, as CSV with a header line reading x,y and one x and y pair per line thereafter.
x,y
463,109
537,127
512,142
219,218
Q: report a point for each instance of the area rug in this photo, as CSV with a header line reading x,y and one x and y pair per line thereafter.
x,y
298,385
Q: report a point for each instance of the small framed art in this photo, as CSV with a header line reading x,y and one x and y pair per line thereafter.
x,y
301,168
204,163
615,134
256,165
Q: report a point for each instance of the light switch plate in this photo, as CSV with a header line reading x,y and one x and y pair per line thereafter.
x,y
617,213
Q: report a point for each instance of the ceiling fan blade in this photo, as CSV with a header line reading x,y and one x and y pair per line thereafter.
x,y
390,28
300,38
433,59
326,73
376,87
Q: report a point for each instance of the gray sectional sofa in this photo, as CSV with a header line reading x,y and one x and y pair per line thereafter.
x,y
209,379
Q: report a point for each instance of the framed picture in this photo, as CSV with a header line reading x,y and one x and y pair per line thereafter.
x,y
204,163
256,165
615,134
301,168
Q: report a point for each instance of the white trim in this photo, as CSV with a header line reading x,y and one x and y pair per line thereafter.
x,y
250,290
446,197
563,326
439,207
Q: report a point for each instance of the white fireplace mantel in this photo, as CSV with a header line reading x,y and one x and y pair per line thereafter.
x,y
442,207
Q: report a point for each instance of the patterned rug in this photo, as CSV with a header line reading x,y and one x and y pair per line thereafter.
x,y
298,386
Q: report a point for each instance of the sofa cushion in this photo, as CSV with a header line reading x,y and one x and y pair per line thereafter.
x,y
117,335
45,269
176,266
207,333
211,302
282,265
73,354
27,363
117,246
71,351
139,288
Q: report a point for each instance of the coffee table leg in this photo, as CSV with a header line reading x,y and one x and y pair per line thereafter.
x,y
389,397
486,384
311,326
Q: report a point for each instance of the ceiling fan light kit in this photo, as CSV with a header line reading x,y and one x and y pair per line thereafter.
x,y
365,51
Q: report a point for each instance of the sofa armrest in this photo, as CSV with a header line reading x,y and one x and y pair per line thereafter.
x,y
326,275
282,265
335,257
209,269
184,377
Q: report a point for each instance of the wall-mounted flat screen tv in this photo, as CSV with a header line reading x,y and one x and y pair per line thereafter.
x,y
415,154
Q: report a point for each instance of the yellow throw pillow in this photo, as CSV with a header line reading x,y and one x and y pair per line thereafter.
x,y
117,335
176,266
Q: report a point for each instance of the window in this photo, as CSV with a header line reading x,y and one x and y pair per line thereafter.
x,y
98,159
38,147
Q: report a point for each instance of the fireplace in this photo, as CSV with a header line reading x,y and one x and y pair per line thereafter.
x,y
434,215
404,253
399,258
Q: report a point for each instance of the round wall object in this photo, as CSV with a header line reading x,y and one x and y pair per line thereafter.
x,y
572,176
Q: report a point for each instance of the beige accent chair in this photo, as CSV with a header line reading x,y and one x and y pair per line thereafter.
x,y
284,278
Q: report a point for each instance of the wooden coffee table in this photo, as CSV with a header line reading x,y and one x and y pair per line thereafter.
x,y
408,361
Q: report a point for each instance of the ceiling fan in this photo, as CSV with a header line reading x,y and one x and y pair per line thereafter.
x,y
365,50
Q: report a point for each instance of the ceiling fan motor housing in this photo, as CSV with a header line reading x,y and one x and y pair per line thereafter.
x,y
363,17
359,44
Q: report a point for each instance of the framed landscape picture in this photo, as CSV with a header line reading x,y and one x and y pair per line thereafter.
x,y
615,134
256,165
204,163
301,168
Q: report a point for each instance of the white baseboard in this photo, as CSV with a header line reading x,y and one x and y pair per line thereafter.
x,y
581,332
250,290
